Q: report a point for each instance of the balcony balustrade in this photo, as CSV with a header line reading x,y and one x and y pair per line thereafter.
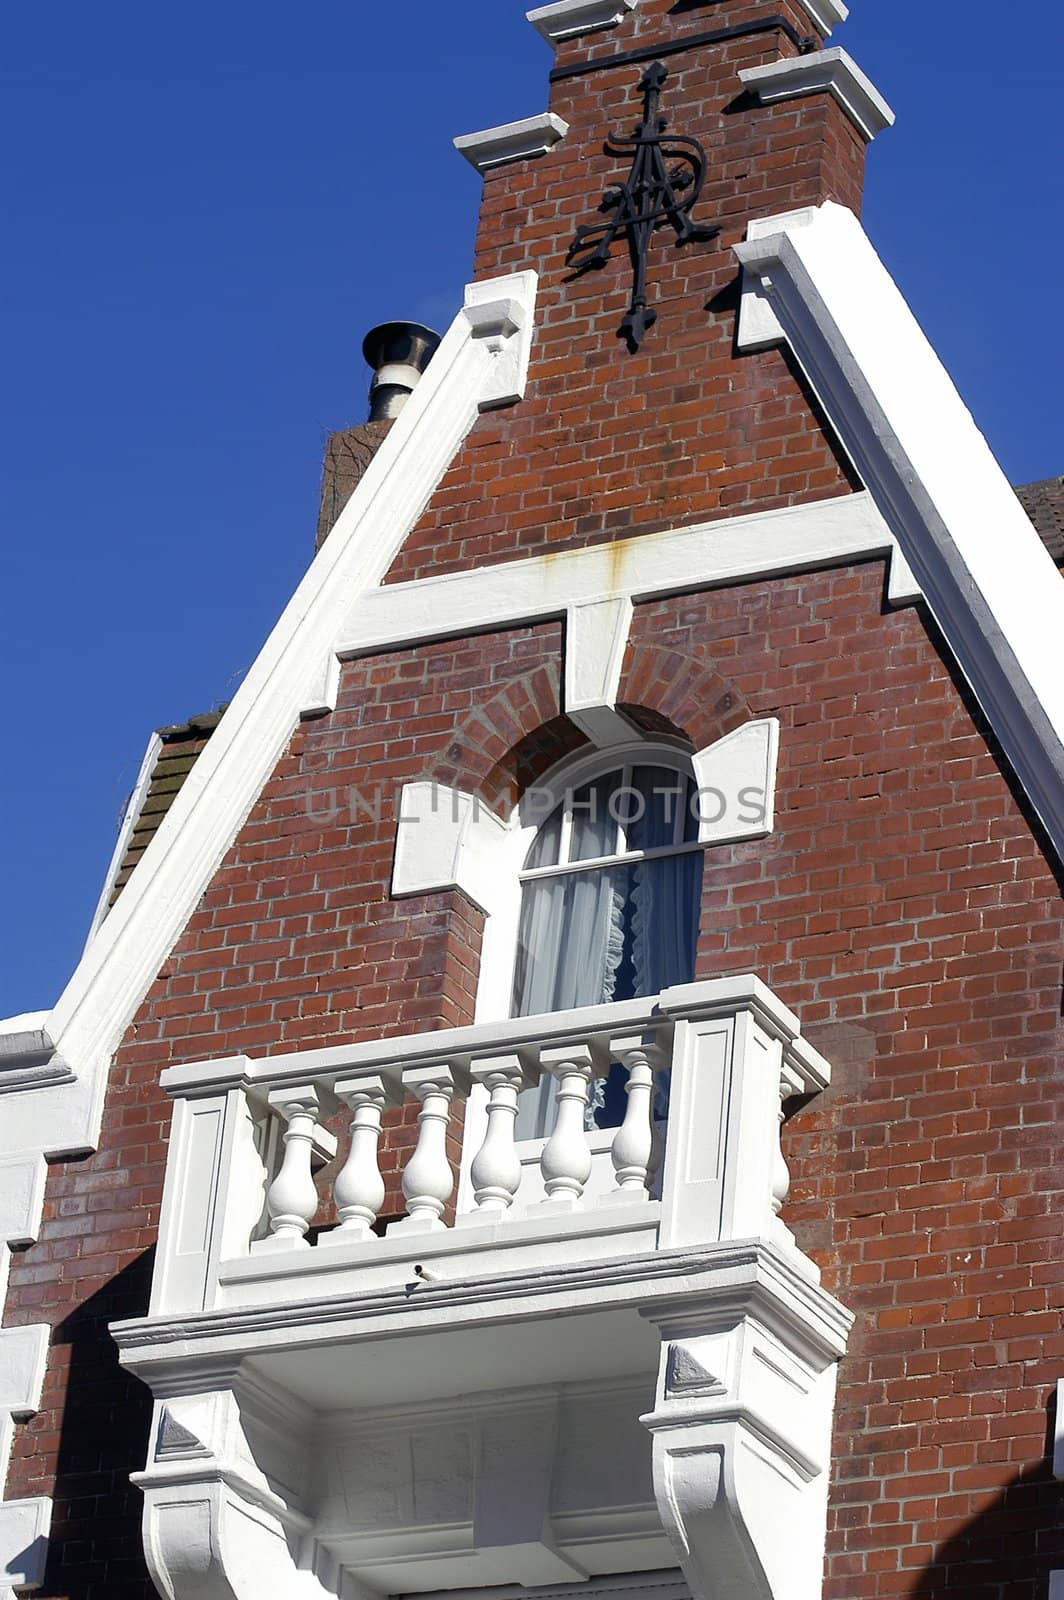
x,y
594,1353
249,1136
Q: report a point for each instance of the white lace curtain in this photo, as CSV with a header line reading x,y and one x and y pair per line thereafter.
x,y
614,932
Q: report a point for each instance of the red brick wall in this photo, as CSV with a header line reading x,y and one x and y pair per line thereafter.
x,y
606,443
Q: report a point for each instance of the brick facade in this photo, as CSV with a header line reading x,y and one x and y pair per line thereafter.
x,y
904,905
607,443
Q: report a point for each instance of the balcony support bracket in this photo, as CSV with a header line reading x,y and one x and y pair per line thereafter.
x,y
742,1431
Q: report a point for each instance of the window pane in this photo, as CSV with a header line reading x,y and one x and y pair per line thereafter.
x,y
594,825
570,941
691,813
544,851
650,807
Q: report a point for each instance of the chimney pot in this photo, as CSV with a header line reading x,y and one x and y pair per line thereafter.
x,y
398,352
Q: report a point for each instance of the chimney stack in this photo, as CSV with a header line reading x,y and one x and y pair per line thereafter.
x,y
398,352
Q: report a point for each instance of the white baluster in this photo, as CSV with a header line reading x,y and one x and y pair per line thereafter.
x,y
359,1190
790,1085
292,1198
428,1179
633,1144
496,1170
566,1159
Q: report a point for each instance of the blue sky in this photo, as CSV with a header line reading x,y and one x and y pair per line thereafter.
x,y
206,206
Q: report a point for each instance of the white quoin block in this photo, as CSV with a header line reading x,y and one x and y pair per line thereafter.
x,y
24,1529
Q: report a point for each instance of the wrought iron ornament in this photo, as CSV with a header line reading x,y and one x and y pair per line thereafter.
x,y
663,186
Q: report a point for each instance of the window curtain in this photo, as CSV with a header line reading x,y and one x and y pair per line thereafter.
x,y
617,933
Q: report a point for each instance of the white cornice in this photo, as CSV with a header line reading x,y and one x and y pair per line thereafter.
x,y
513,141
987,578
826,14
648,566
568,19
825,71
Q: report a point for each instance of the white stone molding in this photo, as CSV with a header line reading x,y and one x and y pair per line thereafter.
x,y
742,1435
831,72
512,141
23,1355
987,578
415,1472
569,19
764,544
447,839
736,782
22,1179
1058,1433
826,14
499,313
596,636
28,1056
220,1521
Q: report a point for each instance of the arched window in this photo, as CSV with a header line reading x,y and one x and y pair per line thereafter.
x,y
610,893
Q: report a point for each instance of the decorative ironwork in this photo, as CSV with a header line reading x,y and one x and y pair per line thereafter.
x,y
663,187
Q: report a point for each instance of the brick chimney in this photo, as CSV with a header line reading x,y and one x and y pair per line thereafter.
x,y
398,353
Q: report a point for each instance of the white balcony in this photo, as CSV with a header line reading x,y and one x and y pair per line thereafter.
x,y
442,1406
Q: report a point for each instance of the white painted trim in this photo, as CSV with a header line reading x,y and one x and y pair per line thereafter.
x,y
568,19
28,1057
763,544
125,831
512,141
22,1179
1058,1433
825,71
596,637
739,771
826,14
446,839
988,579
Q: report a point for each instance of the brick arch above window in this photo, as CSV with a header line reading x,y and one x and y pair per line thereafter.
x,y
663,688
